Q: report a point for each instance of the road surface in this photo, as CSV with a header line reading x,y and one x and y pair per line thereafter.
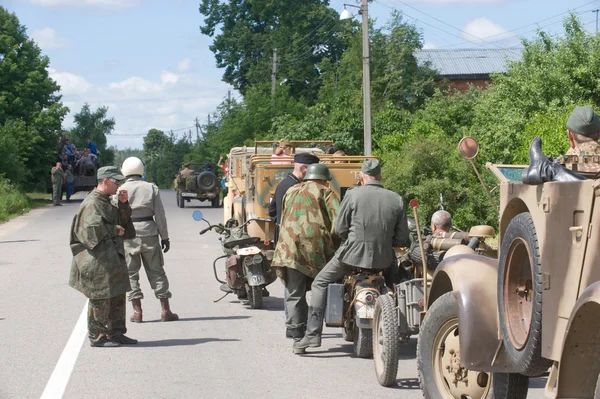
x,y
217,350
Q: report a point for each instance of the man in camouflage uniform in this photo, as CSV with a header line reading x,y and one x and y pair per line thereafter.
x,y
150,222
305,241
57,176
372,221
98,269
583,128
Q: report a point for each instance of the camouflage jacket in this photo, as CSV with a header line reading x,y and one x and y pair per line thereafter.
x,y
98,269
305,238
57,175
588,148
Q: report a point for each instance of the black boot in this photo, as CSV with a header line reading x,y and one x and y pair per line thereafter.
x,y
314,328
541,169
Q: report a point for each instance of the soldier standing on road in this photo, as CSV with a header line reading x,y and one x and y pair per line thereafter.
x,y
148,215
372,221
305,242
69,179
98,269
583,128
57,176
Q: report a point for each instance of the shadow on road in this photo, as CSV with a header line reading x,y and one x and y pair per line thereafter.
x,y
407,383
14,241
331,335
538,382
340,351
210,318
179,342
408,351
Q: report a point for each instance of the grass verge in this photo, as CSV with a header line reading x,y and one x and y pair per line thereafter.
x,y
14,202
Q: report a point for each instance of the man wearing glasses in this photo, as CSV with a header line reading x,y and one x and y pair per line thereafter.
x,y
99,270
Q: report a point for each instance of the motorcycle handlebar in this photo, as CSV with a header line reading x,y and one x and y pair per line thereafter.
x,y
205,230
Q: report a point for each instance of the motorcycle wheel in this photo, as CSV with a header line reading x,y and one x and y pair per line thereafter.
x,y
385,340
347,335
255,297
181,201
438,351
363,342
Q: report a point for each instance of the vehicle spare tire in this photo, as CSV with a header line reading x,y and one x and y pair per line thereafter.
x,y
207,181
520,296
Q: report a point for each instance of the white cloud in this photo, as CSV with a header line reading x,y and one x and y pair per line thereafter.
x,y
184,65
482,29
429,46
135,85
87,3
168,78
70,84
48,39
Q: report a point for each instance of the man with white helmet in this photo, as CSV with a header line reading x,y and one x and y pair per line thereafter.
x,y
149,219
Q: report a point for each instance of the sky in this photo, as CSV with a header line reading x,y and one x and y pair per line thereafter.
x,y
147,61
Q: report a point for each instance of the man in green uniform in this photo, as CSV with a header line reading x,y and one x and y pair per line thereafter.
x,y
69,179
305,242
371,221
150,222
57,176
98,269
583,128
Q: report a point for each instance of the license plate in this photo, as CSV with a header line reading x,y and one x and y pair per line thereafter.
x,y
189,194
256,279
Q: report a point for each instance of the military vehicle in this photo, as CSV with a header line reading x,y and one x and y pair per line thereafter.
x,y
252,180
202,185
532,311
85,180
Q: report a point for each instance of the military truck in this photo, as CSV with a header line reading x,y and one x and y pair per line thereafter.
x,y
493,323
85,180
202,184
252,180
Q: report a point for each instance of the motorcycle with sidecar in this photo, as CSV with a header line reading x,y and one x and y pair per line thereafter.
x,y
247,261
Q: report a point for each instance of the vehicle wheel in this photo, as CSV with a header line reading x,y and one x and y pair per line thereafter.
x,y
177,199
215,202
181,201
241,294
597,392
385,340
207,181
347,335
520,296
255,297
363,342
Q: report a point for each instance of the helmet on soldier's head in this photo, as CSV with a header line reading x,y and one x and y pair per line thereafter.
x,y
317,171
133,166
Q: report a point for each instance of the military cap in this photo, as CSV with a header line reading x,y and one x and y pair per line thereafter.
x,y
110,172
284,143
187,164
306,158
371,167
584,121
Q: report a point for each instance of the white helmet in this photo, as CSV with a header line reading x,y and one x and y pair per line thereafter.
x,y
132,166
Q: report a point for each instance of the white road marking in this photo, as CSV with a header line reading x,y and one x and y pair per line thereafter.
x,y
55,388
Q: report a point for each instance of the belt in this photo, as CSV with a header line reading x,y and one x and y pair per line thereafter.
x,y
143,219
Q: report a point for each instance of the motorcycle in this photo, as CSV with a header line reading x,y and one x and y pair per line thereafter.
x,y
247,267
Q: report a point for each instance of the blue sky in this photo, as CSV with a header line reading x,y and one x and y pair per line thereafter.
x,y
147,61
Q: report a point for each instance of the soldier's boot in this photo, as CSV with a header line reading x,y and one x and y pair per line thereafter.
x,y
314,328
166,314
136,317
541,169
297,333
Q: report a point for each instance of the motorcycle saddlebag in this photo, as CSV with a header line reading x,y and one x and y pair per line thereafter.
x,y
234,272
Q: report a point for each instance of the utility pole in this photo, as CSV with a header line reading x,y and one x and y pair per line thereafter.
x,y
366,77
197,126
274,74
596,11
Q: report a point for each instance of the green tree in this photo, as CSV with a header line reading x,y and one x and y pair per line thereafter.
x,y
95,125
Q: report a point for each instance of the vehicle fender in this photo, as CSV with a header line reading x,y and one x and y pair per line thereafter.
x,y
473,279
255,274
580,358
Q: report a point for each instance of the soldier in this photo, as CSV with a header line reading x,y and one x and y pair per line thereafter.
x,y
149,220
57,176
371,221
583,128
69,179
98,269
186,171
305,242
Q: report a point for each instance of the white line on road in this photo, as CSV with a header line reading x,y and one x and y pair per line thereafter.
x,y
55,388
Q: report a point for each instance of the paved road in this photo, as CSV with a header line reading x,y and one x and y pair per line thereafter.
x,y
217,350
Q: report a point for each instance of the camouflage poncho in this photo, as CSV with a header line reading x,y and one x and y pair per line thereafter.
x,y
305,239
587,148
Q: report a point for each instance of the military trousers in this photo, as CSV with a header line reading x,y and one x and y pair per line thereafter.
x,y
56,193
146,251
296,286
106,318
333,271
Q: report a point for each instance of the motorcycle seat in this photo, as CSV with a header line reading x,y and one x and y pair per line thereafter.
x,y
242,242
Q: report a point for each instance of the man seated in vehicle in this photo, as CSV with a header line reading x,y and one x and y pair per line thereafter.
x,y
583,128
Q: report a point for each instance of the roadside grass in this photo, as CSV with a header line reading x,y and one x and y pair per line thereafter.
x,y
14,202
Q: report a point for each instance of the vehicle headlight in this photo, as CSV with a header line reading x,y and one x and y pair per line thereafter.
x,y
248,261
257,259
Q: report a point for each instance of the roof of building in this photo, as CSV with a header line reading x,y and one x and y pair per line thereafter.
x,y
468,61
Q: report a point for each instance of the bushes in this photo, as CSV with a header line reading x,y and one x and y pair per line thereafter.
x,y
12,200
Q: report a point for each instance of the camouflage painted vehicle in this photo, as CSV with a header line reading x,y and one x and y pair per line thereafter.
x,y
534,310
202,185
252,180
